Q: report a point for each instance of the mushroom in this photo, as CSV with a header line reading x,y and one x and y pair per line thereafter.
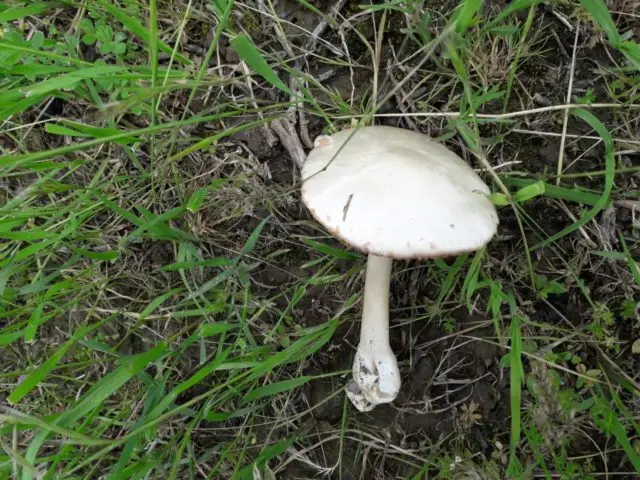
x,y
392,194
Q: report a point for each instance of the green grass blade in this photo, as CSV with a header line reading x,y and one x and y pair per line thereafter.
x,y
607,419
156,302
265,455
515,382
511,8
213,262
298,350
36,318
466,14
16,13
38,375
68,80
159,221
196,200
95,397
325,249
76,129
187,384
38,70
610,163
248,52
576,194
602,16
10,337
153,55
27,51
112,383
28,159
212,329
18,418
251,241
12,108
135,27
276,388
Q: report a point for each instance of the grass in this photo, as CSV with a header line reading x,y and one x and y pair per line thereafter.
x,y
170,309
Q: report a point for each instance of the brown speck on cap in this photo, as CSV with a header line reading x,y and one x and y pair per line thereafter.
x,y
452,225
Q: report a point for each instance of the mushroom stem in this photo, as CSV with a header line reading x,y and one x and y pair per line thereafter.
x,y
376,378
375,309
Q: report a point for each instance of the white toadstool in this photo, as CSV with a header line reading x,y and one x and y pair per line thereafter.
x,y
393,194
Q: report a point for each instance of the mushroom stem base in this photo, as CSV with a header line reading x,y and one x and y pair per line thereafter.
x,y
376,378
374,383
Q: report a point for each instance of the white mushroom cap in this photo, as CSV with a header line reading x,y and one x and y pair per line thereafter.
x,y
396,193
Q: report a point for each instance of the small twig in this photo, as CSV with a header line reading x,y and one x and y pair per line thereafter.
x,y
285,128
427,52
298,107
571,135
559,43
633,205
591,243
565,120
400,95
295,98
269,136
309,48
494,116
563,19
310,44
289,138
304,129
345,45
254,103
323,77
378,53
